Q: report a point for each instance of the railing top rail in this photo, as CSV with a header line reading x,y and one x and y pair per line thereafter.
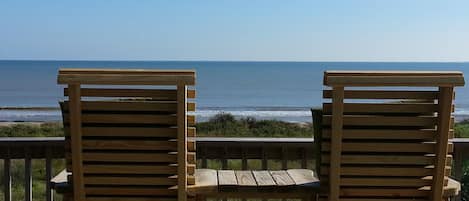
x,y
31,141
247,139
6,140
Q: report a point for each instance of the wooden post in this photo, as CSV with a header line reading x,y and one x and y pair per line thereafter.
x,y
445,100
75,135
182,141
49,170
28,177
336,142
458,165
317,128
204,158
264,158
284,158
7,176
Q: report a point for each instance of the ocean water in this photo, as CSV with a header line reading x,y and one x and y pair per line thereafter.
x,y
265,90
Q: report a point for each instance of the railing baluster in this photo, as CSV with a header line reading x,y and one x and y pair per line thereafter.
x,y
7,176
284,158
204,158
49,192
244,161
458,165
264,158
224,160
304,159
28,184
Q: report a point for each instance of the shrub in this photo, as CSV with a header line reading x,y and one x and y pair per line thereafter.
x,y
226,125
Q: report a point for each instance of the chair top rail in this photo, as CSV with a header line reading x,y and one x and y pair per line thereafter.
x,y
125,76
394,78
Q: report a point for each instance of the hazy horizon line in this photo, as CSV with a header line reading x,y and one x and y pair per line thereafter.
x,y
260,61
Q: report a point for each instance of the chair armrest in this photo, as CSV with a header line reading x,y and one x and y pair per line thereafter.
x,y
60,182
453,188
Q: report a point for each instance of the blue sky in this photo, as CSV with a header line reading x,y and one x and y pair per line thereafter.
x,y
248,30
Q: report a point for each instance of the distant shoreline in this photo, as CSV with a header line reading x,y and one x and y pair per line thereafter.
x,y
458,119
30,108
271,114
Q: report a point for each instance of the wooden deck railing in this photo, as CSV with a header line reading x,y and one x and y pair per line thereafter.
x,y
219,153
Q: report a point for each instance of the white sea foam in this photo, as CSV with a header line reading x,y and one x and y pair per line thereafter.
x,y
276,113
285,114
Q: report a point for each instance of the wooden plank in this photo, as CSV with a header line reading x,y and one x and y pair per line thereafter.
x,y
120,79
245,178
182,122
100,198
384,171
384,134
386,182
303,176
390,73
227,178
385,159
131,106
129,145
191,93
108,180
373,108
130,157
126,106
191,158
444,121
385,94
383,192
387,80
129,191
337,122
129,132
382,147
154,94
127,119
105,156
76,141
170,132
129,169
206,180
382,199
191,107
190,120
282,178
85,71
263,178
370,120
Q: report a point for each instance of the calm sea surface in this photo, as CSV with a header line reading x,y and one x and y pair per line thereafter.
x,y
266,90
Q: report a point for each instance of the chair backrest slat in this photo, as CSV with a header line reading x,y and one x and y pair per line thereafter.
x,y
129,142
381,139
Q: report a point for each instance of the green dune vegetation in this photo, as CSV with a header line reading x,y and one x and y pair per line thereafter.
x,y
221,125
